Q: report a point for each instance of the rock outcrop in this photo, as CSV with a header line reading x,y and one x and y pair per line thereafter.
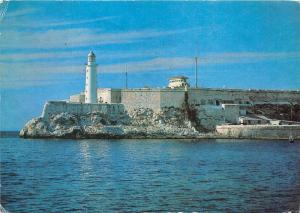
x,y
137,123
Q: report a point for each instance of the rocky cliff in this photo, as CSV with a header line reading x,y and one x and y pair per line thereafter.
x,y
137,123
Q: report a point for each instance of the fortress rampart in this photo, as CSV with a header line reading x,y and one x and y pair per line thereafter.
x,y
155,99
238,96
56,107
160,98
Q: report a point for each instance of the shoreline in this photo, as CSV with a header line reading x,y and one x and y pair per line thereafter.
x,y
160,137
144,123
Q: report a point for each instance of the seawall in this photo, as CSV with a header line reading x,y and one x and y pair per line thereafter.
x,y
259,131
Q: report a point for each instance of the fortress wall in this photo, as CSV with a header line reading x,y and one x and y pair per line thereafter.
x,y
259,96
159,98
154,99
231,113
56,107
209,96
172,98
141,98
259,131
209,116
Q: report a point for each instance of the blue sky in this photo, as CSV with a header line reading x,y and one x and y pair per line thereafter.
x,y
43,48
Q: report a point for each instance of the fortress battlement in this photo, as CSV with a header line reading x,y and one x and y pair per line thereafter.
x,y
57,107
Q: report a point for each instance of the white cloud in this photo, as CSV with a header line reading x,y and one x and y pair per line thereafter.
x,y
247,57
19,83
79,37
74,55
36,74
14,22
40,73
156,64
67,56
20,12
172,63
74,22
36,56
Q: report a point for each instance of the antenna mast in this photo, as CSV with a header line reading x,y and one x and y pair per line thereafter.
x,y
196,72
126,81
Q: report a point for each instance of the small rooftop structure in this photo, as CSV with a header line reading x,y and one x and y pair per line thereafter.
x,y
178,82
178,77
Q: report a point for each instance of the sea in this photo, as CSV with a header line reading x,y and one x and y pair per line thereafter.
x,y
59,175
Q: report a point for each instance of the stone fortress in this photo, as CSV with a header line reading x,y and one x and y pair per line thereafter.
x,y
227,112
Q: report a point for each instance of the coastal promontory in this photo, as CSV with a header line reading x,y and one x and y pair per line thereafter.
x,y
175,111
139,123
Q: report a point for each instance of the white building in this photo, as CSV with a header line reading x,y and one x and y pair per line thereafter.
x,y
91,79
78,98
109,95
178,82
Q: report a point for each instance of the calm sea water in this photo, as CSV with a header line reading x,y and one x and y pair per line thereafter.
x,y
149,175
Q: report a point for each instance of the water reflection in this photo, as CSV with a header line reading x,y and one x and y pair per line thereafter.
x,y
149,175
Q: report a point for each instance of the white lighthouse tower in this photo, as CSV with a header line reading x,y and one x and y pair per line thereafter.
x,y
91,79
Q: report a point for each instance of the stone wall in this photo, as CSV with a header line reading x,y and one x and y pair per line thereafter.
x,y
237,96
155,99
273,96
259,131
209,116
172,98
215,97
141,98
56,107
231,113
158,98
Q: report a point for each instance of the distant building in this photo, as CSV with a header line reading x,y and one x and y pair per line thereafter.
x,y
78,98
252,120
109,95
178,82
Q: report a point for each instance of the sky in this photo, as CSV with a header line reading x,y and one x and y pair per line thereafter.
x,y
44,47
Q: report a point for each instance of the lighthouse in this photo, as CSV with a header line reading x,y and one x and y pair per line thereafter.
x,y
91,79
